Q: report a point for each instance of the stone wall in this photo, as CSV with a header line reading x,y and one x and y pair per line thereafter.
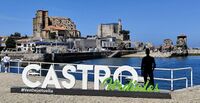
x,y
57,57
13,55
33,57
194,52
25,56
56,49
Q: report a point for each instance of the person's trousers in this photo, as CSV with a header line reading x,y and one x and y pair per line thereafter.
x,y
150,74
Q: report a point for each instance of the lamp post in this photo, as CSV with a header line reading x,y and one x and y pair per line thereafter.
x,y
56,43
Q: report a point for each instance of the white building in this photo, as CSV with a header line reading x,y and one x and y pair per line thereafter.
x,y
108,43
25,45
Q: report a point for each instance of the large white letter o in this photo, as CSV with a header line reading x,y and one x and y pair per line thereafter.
x,y
126,68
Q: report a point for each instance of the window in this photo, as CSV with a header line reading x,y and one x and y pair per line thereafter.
x,y
19,49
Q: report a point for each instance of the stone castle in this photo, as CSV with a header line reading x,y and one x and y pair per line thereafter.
x,y
114,33
51,27
112,30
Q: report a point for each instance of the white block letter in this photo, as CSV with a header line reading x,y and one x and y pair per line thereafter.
x,y
126,68
85,69
51,78
97,77
68,76
24,75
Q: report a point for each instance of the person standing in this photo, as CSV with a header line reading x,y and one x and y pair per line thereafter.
x,y
6,62
147,67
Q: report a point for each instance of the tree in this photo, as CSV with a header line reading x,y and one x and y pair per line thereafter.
x,y
16,34
126,32
10,43
25,36
53,35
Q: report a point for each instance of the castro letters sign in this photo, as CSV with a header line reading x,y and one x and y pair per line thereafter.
x,y
52,79
112,84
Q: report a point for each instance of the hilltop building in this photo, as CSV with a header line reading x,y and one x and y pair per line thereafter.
x,y
53,27
181,45
139,46
120,37
167,45
110,29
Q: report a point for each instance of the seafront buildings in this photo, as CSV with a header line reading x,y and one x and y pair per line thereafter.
x,y
60,35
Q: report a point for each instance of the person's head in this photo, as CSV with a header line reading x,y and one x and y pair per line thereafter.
x,y
6,54
147,51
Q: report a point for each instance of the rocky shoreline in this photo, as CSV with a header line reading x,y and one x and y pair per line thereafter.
x,y
153,54
191,52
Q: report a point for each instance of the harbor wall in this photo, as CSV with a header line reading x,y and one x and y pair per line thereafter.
x,y
193,52
58,58
73,57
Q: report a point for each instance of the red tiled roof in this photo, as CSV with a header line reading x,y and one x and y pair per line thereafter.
x,y
54,27
23,40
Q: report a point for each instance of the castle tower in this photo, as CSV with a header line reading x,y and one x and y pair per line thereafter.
x,y
99,32
182,40
46,19
181,47
119,26
40,22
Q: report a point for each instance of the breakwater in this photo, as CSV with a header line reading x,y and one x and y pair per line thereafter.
x,y
73,57
57,57
64,57
153,54
193,52
166,54
25,56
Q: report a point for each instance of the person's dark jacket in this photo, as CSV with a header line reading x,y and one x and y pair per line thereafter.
x,y
148,64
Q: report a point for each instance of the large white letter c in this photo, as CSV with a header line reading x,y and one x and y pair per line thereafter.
x,y
24,75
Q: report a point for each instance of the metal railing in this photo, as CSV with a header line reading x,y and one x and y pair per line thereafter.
x,y
19,66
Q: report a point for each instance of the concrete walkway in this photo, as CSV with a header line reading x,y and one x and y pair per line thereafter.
x,y
7,81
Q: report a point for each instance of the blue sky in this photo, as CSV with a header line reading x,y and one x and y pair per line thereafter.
x,y
147,20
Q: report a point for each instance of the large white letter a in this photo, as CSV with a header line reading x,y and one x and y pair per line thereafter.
x,y
51,78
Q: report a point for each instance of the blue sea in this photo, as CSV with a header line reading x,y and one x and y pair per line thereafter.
x,y
174,62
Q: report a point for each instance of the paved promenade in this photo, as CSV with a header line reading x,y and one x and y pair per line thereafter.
x,y
7,81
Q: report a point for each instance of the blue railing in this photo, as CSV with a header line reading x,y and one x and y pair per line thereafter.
x,y
18,66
